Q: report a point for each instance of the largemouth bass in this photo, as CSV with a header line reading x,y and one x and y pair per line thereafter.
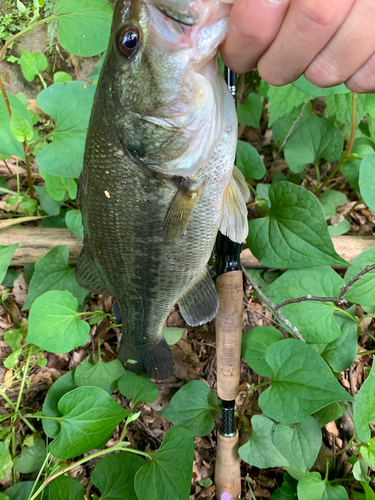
x,y
158,179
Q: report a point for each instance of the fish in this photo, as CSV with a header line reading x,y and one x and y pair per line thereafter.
x,y
158,179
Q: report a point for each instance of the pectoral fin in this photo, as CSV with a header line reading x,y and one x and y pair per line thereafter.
x,y
180,210
200,303
233,220
87,276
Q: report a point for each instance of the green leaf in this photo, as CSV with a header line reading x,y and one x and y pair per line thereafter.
x,y
341,228
62,386
22,491
249,113
76,20
263,277
73,220
360,470
12,359
316,321
6,462
32,457
313,90
66,488
368,452
299,444
249,161
59,187
340,107
294,234
254,345
104,375
330,200
61,77
21,128
6,254
260,450
168,475
194,407
114,476
282,101
32,63
54,324
350,168
13,338
49,205
69,104
341,353
312,487
313,138
302,383
362,292
89,416
8,143
287,491
172,335
329,413
52,272
367,180
364,407
137,387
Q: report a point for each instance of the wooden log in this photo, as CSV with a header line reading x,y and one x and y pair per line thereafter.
x,y
34,242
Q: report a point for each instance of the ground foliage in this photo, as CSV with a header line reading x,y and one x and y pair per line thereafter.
x,y
73,423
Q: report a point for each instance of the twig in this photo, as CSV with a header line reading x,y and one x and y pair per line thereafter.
x,y
305,299
346,288
292,127
272,306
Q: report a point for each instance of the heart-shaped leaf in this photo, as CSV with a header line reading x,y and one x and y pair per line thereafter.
x,y
114,476
299,444
104,375
168,475
312,486
54,324
69,104
89,416
77,19
194,407
260,450
6,254
137,388
249,161
362,292
302,383
32,63
313,138
52,272
254,345
294,234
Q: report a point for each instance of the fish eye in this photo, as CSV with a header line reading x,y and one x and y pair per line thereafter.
x,y
128,40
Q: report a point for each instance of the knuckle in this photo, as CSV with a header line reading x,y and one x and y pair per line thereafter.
x,y
323,75
320,13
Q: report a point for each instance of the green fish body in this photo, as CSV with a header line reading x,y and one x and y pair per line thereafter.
x,y
158,179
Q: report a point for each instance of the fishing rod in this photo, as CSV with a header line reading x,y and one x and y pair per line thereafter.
x,y
228,325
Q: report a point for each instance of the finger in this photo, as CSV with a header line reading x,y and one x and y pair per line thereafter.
x,y
363,81
349,49
253,26
307,28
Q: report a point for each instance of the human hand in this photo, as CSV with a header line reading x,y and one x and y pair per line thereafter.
x,y
329,41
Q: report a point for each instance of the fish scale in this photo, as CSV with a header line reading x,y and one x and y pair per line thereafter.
x,y
149,232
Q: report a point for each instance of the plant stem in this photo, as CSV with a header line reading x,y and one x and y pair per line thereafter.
x,y
39,474
42,80
317,170
351,444
29,178
359,353
358,202
23,380
117,447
